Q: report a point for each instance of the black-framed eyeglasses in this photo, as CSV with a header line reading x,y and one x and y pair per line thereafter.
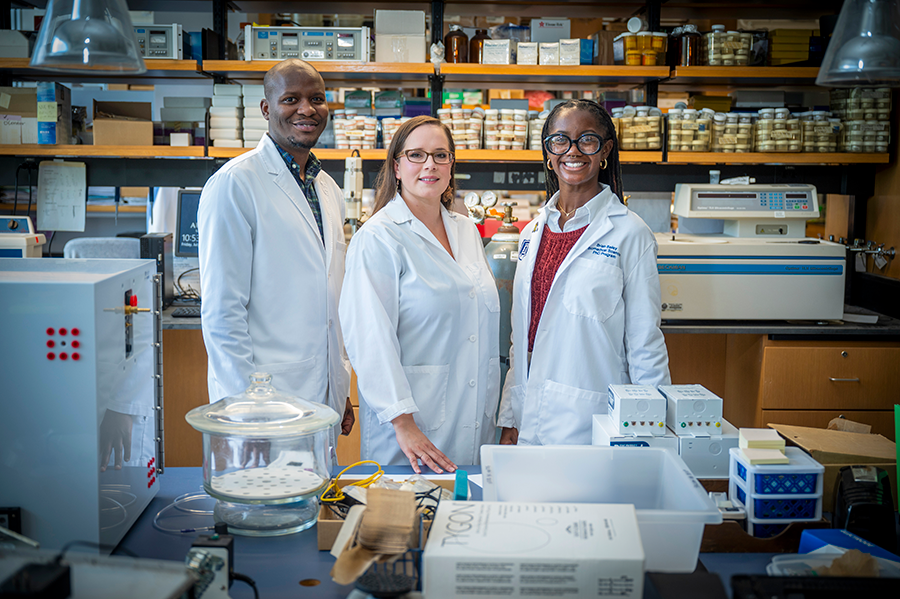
x,y
420,156
559,143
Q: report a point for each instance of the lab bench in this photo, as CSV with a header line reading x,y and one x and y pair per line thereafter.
x,y
292,565
781,372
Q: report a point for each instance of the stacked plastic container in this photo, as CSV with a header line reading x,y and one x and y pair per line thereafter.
x,y
732,132
725,48
866,114
820,130
535,131
776,495
354,131
466,125
777,130
690,130
255,126
389,126
639,127
225,116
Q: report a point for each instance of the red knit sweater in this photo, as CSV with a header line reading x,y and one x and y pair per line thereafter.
x,y
553,250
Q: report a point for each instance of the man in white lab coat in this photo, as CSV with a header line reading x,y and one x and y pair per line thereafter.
x,y
272,255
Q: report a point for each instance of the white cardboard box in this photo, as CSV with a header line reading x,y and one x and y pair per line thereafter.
x,y
604,433
637,409
550,30
395,47
707,455
490,550
548,53
692,408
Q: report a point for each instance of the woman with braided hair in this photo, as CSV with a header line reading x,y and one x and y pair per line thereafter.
x,y
586,298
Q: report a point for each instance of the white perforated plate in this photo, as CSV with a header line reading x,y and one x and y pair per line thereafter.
x,y
271,482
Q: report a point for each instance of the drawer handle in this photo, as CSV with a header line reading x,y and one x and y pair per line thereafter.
x,y
834,380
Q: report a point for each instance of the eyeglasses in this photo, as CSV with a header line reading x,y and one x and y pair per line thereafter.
x,y
420,156
588,143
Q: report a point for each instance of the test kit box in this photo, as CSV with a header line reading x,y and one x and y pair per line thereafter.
x,y
548,53
604,434
692,409
637,410
550,30
570,52
400,36
122,124
54,113
493,550
526,53
707,455
498,52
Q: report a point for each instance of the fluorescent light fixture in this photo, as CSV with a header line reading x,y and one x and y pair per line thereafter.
x,y
865,46
87,36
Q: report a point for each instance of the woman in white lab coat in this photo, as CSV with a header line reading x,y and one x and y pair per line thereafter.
x,y
586,298
421,314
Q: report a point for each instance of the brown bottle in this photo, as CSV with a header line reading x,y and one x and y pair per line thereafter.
x,y
476,45
456,45
690,47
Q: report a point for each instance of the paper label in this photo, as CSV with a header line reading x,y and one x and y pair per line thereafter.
x,y
688,126
514,257
46,112
860,262
880,261
781,135
499,256
5,99
733,45
640,129
823,130
727,140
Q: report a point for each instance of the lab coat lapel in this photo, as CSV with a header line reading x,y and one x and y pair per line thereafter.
x,y
286,182
451,226
401,213
600,226
530,257
330,214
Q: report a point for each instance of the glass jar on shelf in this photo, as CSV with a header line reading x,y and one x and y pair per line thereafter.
x,y
689,54
711,48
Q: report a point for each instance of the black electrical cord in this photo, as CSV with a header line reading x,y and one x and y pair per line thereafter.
x,y
66,547
16,191
30,187
189,293
248,580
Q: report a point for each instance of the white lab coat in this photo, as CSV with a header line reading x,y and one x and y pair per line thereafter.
x,y
600,326
270,285
423,334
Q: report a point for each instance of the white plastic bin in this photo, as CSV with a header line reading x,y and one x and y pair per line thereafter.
x,y
672,507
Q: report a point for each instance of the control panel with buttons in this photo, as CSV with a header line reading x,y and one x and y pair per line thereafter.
x,y
307,43
162,41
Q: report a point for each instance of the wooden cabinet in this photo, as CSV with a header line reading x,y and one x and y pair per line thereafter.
x,y
839,376
806,383
184,388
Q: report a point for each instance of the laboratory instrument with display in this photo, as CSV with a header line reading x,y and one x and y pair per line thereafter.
x,y
760,267
307,43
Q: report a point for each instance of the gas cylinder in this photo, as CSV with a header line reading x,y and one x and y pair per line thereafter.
x,y
502,254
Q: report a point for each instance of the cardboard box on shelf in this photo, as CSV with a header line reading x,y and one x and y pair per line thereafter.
x,y
18,115
400,36
550,30
836,449
122,124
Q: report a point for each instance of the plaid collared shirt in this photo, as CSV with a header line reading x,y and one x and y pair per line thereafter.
x,y
308,187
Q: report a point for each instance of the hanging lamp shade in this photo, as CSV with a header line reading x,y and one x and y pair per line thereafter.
x,y
87,36
865,46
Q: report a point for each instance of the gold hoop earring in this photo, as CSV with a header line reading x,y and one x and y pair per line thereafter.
x,y
603,165
549,166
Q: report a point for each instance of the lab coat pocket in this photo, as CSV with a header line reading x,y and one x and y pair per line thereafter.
x,y
492,392
297,378
592,289
481,275
566,413
429,390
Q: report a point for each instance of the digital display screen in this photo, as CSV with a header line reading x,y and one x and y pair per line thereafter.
x,y
796,196
187,242
345,40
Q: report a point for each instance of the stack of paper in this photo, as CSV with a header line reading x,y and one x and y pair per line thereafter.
x,y
764,456
762,446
